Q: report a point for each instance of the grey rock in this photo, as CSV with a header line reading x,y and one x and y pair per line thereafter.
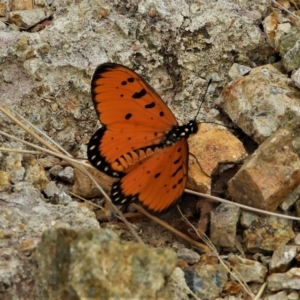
x,y
223,225
206,281
94,264
249,270
282,258
284,281
67,174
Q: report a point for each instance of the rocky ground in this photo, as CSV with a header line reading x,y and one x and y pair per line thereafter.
x,y
54,246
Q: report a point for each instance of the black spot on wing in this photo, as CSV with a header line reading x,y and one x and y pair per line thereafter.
x,y
178,169
157,175
139,95
128,116
177,161
150,105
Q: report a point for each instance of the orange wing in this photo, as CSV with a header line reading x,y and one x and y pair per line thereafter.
x,y
157,182
136,120
140,141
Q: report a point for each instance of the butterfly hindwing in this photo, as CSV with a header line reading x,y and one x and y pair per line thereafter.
x,y
152,183
103,142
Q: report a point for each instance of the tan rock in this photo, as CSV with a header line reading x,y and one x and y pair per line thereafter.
x,y
211,146
2,9
36,175
249,270
85,187
270,174
21,5
5,178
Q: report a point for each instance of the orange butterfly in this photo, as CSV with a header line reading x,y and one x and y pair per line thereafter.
x,y
140,142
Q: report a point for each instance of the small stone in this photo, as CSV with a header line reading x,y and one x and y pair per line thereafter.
x,y
21,5
55,170
27,18
190,256
5,178
223,225
278,296
289,49
290,199
284,281
260,237
285,27
292,296
282,258
247,218
67,174
27,246
296,78
13,165
270,24
206,281
51,189
297,239
238,70
249,270
2,9
86,188
36,175
48,162
61,198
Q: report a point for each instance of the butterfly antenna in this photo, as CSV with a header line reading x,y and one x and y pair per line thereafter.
x,y
208,84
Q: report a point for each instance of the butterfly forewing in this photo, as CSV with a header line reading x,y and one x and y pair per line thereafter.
x,y
134,116
155,184
122,96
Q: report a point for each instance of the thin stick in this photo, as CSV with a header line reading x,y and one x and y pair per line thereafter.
x,y
42,133
14,150
85,200
257,210
25,128
57,154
